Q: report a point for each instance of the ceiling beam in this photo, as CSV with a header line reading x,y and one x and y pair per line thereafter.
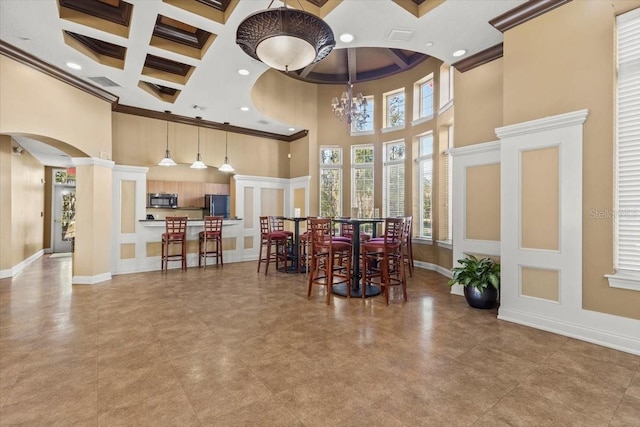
x,y
399,58
306,70
352,65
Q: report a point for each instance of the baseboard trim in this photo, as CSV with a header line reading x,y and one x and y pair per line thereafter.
x,y
90,280
609,339
433,267
10,272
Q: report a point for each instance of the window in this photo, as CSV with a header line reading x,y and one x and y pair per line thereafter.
x,y
393,170
426,99
425,185
362,179
394,108
446,86
330,181
445,229
366,123
627,212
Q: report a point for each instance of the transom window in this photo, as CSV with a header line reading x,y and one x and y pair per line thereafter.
x,y
394,108
365,123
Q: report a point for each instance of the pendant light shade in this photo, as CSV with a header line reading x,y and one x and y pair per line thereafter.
x,y
285,39
167,160
226,166
198,164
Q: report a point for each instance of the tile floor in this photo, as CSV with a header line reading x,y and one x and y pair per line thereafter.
x,y
231,347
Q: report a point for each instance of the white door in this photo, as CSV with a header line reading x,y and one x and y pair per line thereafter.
x,y
64,215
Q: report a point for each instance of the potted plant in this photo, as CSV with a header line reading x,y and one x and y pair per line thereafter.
x,y
480,279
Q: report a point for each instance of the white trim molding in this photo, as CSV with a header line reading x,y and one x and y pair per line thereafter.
x,y
624,280
566,315
434,267
486,153
92,161
90,280
10,272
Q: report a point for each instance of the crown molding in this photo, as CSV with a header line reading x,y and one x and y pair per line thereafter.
x,y
480,58
125,109
524,12
29,60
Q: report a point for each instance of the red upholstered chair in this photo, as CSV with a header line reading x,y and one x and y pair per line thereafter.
x,y
330,258
211,236
175,234
273,242
383,261
304,249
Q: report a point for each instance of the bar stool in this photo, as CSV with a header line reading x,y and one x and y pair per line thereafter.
x,y
330,258
382,259
212,235
304,249
175,234
407,244
270,240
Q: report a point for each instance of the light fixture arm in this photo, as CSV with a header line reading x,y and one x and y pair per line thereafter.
x,y
350,108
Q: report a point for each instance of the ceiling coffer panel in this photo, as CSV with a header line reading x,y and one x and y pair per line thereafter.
x,y
99,47
115,11
179,32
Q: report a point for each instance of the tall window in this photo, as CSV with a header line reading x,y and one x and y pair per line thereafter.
x,y
445,229
330,181
362,179
627,213
425,183
393,170
394,108
426,98
366,123
446,84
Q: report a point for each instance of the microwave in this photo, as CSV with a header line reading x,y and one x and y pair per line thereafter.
x,y
162,200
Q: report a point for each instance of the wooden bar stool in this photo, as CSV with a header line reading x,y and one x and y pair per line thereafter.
x,y
383,261
212,235
274,242
175,234
331,258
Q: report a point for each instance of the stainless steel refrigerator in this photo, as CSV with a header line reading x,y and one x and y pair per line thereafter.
x,y
217,205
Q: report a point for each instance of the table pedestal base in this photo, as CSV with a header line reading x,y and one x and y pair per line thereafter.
x,y
370,291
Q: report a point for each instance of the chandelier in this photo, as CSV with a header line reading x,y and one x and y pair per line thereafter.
x,y
285,39
353,109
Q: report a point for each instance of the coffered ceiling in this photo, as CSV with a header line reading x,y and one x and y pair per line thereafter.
x,y
181,55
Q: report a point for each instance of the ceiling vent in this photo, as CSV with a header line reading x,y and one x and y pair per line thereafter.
x,y
264,122
103,81
399,35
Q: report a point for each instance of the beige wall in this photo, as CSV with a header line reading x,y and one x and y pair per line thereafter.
x,y
560,62
5,203
49,110
478,100
22,205
93,221
141,141
483,202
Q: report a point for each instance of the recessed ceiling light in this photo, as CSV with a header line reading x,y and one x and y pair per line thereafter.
x,y
459,52
429,43
244,108
74,66
243,72
346,38
292,129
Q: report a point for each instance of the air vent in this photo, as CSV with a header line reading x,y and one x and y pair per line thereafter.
x,y
103,81
264,122
400,35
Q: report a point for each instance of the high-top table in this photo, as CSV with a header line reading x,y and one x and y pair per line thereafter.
x,y
356,289
296,242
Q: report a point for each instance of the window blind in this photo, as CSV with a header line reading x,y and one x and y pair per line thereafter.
x,y
627,215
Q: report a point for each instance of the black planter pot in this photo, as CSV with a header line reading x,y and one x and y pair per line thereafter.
x,y
476,298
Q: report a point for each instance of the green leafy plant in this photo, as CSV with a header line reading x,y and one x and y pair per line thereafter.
x,y
476,273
